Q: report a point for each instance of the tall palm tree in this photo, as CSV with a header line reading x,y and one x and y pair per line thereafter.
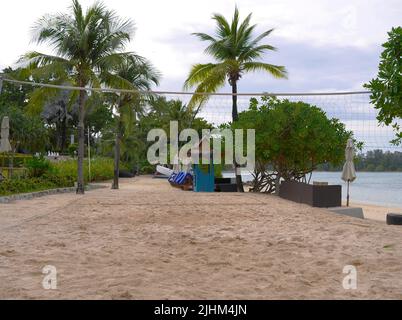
x,y
87,46
135,73
236,52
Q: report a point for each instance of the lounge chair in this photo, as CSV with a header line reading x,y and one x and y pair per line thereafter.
x,y
182,180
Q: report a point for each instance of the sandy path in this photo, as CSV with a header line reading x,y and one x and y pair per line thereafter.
x,y
149,241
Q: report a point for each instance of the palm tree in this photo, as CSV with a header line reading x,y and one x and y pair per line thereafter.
x,y
235,50
135,73
163,111
87,46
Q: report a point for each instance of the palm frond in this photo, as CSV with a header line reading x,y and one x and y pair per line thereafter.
x,y
235,22
204,37
261,37
40,96
222,25
251,53
109,61
37,59
211,83
197,74
234,48
245,24
276,71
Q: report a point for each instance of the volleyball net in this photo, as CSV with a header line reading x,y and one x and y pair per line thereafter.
x,y
351,108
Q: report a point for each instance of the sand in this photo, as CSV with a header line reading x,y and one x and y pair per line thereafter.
x,y
150,241
375,212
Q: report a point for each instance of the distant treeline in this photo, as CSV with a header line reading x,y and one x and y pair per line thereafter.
x,y
373,161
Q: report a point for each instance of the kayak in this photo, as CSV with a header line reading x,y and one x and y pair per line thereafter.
x,y
164,171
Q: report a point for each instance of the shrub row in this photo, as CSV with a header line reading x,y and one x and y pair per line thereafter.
x,y
101,169
58,175
9,187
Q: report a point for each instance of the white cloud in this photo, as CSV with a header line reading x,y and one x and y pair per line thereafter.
x,y
164,27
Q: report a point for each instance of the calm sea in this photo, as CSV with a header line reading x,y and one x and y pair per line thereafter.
x,y
378,188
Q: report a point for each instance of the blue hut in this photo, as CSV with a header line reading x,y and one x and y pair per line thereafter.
x,y
204,174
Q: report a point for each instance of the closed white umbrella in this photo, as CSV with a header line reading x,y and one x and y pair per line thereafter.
x,y
5,131
349,171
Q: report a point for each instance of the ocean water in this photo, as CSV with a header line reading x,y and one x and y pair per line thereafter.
x,y
378,188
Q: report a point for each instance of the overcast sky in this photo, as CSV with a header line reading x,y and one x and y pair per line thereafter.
x,y
325,44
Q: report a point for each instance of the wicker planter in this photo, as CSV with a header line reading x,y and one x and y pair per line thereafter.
x,y
225,185
321,196
223,180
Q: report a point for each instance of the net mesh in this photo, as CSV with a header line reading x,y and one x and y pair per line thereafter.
x,y
354,110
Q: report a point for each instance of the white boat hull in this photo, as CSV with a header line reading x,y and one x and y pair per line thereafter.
x,y
165,171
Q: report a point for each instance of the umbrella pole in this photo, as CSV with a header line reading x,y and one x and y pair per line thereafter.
x,y
347,199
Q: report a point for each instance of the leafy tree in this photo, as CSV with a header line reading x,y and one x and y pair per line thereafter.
x,y
162,111
88,46
99,118
386,89
13,94
372,160
27,133
137,74
378,160
61,116
57,114
236,52
292,139
158,113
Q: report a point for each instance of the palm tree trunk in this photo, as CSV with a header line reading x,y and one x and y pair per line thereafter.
x,y
235,113
63,136
235,117
64,129
81,144
115,185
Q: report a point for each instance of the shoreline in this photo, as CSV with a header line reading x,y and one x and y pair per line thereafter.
x,y
376,212
371,189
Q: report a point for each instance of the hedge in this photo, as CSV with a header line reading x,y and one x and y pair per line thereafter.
x,y
60,175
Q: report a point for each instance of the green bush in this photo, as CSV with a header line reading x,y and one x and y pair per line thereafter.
x,y
149,169
59,180
218,168
60,175
386,93
72,149
17,160
37,166
101,169
293,138
16,186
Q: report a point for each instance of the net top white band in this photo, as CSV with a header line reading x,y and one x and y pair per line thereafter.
x,y
114,90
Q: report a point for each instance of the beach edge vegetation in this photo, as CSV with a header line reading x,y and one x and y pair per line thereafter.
x,y
118,123
45,175
292,139
386,88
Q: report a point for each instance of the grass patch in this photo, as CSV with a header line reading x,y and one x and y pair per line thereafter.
x,y
388,247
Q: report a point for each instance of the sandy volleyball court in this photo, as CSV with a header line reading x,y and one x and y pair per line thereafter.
x,y
149,241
